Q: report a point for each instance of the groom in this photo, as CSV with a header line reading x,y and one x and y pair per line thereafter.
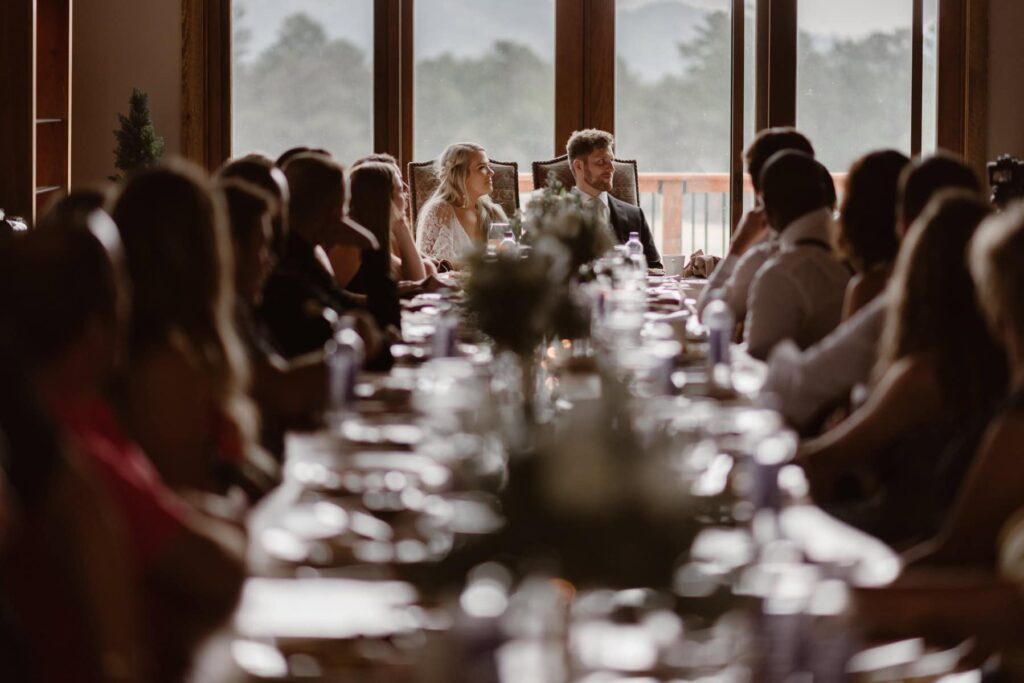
x,y
591,153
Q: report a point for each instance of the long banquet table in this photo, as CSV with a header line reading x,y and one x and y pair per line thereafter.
x,y
393,552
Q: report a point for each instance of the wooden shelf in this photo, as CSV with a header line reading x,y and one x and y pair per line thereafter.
x,y
35,123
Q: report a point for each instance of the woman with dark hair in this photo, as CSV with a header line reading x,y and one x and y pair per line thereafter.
x,y
407,263
867,227
139,555
185,387
372,186
288,392
259,170
935,375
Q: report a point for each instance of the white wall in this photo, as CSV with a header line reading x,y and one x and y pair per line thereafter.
x,y
118,44
1006,78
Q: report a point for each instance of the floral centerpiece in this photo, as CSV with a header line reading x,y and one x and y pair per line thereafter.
x,y
513,300
564,217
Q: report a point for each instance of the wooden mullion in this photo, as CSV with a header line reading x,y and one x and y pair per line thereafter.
x,y
206,81
782,37
952,87
599,65
219,84
762,62
569,71
976,98
406,97
386,77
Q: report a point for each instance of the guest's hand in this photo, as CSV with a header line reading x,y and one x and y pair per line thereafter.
x,y
753,228
432,284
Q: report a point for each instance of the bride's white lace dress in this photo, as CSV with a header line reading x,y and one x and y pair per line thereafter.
x,y
440,235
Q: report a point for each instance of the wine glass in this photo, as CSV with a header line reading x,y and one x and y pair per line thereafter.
x,y
495,234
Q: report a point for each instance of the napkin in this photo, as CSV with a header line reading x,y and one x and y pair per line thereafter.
x,y
700,265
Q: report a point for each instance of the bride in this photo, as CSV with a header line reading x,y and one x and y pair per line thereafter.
x,y
456,217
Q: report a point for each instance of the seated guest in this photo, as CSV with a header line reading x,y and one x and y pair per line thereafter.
x,y
259,170
67,304
293,152
806,385
867,227
934,377
591,154
184,394
985,530
372,185
407,263
798,293
994,486
75,207
456,218
753,243
288,393
300,288
346,260
65,568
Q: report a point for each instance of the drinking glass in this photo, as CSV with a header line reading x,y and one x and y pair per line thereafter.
x,y
495,234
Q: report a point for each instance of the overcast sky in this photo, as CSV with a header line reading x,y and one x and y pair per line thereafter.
x,y
473,28
847,17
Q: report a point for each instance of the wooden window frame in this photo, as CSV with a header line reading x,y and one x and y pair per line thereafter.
x,y
585,77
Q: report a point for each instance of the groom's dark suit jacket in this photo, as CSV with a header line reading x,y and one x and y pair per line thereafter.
x,y
626,218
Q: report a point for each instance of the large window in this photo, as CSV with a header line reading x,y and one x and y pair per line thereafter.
x,y
302,74
485,73
672,114
854,69
683,84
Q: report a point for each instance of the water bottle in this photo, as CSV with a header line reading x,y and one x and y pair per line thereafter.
x,y
720,323
344,356
446,329
635,246
509,246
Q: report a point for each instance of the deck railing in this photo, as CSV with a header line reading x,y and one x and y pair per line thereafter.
x,y
686,211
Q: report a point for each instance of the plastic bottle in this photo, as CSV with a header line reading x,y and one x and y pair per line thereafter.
x,y
344,356
636,247
508,246
444,341
720,323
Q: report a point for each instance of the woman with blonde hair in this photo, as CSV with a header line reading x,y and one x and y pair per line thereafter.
x,y
457,217
184,390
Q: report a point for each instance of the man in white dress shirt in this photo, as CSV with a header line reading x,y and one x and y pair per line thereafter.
x,y
753,243
805,384
798,293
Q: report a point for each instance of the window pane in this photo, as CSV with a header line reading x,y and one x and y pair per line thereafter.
x,y
302,74
485,73
854,77
672,114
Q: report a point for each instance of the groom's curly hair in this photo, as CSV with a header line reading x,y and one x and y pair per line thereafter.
x,y
583,142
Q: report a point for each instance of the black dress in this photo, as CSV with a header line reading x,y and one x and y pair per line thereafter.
x,y
374,280
296,294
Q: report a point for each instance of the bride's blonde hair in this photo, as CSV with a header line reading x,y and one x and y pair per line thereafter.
x,y
452,169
